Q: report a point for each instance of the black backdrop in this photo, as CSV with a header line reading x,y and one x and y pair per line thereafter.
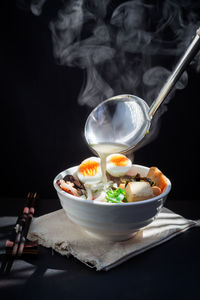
x,y
42,123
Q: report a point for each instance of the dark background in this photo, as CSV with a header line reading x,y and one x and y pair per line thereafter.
x,y
42,123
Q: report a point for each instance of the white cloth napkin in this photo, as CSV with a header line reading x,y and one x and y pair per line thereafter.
x,y
55,230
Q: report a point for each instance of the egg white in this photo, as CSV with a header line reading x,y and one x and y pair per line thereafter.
x,y
90,179
115,170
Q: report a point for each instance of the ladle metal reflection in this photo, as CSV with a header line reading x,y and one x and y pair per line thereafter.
x,y
126,119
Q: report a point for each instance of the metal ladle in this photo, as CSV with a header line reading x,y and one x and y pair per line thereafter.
x,y
126,119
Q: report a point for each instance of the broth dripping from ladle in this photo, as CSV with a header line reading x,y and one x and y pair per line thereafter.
x,y
105,149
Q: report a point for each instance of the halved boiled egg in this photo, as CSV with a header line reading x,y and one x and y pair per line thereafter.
x,y
118,164
89,170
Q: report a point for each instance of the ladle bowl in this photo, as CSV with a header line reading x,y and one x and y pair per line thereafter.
x,y
121,119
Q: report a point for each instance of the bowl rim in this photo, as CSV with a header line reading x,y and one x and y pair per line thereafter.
x,y
65,194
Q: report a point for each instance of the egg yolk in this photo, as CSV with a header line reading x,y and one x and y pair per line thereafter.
x,y
89,168
119,160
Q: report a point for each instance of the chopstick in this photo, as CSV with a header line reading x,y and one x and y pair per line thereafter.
x,y
20,224
24,224
18,243
29,247
27,224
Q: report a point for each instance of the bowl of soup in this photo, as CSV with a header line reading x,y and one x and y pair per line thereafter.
x,y
123,205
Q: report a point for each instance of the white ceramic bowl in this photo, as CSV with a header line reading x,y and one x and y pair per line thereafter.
x,y
111,221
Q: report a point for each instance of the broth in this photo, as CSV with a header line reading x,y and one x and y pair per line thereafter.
x,y
105,149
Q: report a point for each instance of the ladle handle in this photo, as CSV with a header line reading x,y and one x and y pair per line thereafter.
x,y
179,69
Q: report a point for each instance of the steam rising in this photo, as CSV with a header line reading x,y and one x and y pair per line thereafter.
x,y
129,48
36,6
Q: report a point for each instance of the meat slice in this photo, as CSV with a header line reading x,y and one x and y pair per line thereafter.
x,y
158,177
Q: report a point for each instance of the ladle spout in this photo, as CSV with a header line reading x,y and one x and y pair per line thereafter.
x,y
190,52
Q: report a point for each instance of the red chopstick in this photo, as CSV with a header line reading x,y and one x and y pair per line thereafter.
x,y
23,224
27,225
17,244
